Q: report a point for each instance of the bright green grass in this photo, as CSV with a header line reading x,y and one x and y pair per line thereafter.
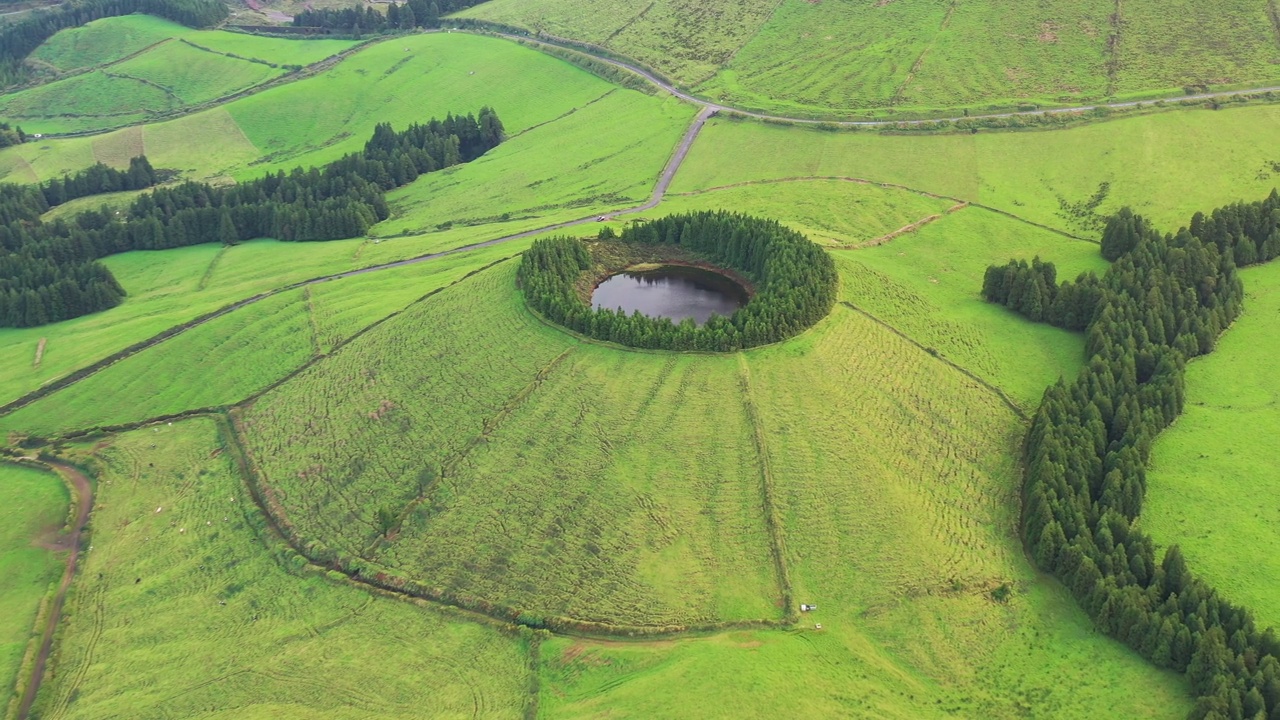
x,y
1231,42
835,54
1212,486
193,75
605,155
170,287
281,51
85,102
927,284
231,357
686,39
217,363
104,41
318,119
842,57
184,613
1157,163
828,212
166,78
35,505
630,534
1044,660
1041,50
894,476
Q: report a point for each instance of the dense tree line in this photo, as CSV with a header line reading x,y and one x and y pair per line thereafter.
x,y
1164,300
19,39
795,283
48,270
403,16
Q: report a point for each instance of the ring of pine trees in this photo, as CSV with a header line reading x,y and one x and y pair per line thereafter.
x,y
1165,299
795,282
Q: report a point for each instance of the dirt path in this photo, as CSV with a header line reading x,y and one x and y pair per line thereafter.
x,y
84,503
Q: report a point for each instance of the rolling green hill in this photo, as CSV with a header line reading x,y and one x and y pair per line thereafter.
x,y
866,57
402,493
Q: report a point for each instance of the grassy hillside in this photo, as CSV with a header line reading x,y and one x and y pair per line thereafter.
x,y
1156,163
236,355
579,146
140,67
1212,485
893,474
183,612
105,41
34,508
844,57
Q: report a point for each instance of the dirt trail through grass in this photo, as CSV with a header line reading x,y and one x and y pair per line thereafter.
x,y
71,542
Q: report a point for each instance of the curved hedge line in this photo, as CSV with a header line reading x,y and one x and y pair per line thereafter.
x,y
1165,299
795,283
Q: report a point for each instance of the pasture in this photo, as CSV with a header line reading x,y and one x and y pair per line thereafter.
x,y
847,58
1066,178
663,468
231,357
1212,484
421,423
34,509
105,41
184,611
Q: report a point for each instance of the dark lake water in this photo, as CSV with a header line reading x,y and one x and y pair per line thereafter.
x,y
672,291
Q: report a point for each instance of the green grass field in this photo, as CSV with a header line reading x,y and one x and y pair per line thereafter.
x,y
165,78
236,355
656,461
183,612
1155,163
1212,485
34,509
556,113
441,432
105,41
844,57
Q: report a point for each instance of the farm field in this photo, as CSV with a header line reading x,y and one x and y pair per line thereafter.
x,y
1154,163
105,41
138,67
829,440
562,527
184,611
173,287
860,58
1212,481
34,508
238,354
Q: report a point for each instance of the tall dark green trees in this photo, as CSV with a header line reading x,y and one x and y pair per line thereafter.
x,y
48,271
795,283
1164,300
403,16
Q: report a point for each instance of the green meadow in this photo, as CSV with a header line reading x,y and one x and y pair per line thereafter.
x,y
180,609
418,426
34,509
842,58
1212,484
